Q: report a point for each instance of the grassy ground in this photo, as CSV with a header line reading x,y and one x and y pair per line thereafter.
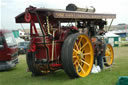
x,y
19,76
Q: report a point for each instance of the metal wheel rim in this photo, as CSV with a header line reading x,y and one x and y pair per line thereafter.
x,y
109,54
82,56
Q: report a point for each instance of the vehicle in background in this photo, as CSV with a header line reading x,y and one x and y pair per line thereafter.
x,y
8,50
23,47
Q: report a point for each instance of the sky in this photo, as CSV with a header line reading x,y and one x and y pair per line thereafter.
x,y
11,8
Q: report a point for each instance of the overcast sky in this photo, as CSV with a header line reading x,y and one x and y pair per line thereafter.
x,y
11,8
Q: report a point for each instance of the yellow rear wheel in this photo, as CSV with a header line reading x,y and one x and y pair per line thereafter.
x,y
77,55
109,55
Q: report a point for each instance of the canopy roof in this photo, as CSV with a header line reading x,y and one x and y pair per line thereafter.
x,y
110,34
63,14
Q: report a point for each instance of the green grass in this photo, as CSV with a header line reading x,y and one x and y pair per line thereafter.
x,y
19,75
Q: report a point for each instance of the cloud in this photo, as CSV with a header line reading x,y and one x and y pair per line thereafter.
x,y
11,8
2,4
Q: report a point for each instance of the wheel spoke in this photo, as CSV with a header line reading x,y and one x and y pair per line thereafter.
x,y
79,40
75,51
85,62
81,68
107,56
75,61
108,51
76,66
87,53
83,45
109,59
76,46
74,56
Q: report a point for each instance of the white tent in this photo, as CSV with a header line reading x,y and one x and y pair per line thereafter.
x,y
110,34
112,38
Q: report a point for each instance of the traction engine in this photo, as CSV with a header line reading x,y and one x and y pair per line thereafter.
x,y
71,39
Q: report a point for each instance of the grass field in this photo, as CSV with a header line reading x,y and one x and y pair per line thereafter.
x,y
19,76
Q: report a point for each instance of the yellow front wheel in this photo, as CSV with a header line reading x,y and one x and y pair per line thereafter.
x,y
77,55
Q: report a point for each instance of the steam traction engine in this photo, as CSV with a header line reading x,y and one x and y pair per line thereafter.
x,y
70,39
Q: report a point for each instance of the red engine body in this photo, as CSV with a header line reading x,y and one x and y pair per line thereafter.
x,y
44,50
